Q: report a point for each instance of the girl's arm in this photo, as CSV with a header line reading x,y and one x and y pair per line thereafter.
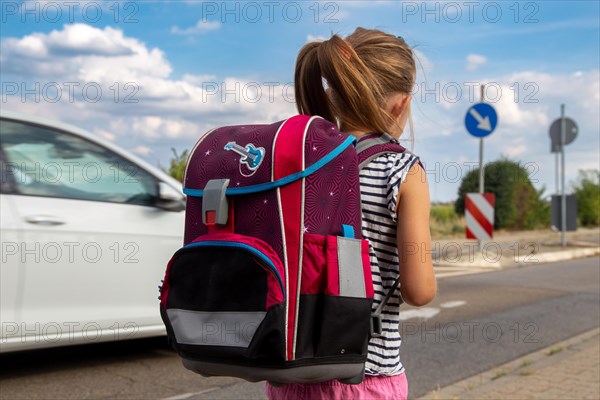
x,y
417,280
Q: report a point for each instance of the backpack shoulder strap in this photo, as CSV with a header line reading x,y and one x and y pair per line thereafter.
x,y
369,147
373,145
372,139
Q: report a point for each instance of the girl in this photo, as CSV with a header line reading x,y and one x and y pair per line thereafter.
x,y
369,78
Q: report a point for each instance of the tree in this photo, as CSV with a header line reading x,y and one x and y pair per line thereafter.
x,y
177,165
587,191
518,204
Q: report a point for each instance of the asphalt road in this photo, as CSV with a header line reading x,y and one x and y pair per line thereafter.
x,y
476,322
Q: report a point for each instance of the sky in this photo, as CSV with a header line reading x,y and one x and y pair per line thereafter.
x,y
152,76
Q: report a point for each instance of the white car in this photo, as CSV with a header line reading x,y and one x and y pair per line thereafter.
x,y
86,232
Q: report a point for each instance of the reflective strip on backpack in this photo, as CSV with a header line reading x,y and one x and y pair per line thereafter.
x,y
208,328
351,272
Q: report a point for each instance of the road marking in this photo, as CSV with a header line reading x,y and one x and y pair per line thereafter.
x,y
445,272
188,395
452,304
181,396
428,312
423,312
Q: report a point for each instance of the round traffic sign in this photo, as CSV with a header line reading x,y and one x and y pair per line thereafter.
x,y
481,120
570,133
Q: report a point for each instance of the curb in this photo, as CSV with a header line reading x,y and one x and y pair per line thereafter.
x,y
483,385
567,255
486,262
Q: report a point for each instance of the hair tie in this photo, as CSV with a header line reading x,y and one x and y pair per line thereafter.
x,y
325,84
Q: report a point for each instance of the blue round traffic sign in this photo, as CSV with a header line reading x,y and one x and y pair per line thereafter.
x,y
481,120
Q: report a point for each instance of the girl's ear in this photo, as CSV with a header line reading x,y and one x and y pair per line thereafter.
x,y
399,104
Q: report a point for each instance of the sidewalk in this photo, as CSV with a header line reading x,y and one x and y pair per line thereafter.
x,y
565,370
458,256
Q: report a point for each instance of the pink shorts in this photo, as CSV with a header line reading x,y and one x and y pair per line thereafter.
x,y
373,387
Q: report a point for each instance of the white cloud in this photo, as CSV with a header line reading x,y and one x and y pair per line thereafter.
x,y
82,52
198,79
526,102
369,4
315,38
521,99
158,127
200,27
531,102
103,133
83,39
517,148
139,97
474,61
519,115
31,46
77,38
580,89
143,150
423,63
174,112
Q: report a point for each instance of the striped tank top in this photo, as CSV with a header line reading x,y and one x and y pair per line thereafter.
x,y
379,185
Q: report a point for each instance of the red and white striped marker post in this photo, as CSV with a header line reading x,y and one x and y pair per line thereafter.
x,y
479,215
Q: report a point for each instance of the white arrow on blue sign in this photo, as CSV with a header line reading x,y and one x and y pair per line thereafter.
x,y
481,120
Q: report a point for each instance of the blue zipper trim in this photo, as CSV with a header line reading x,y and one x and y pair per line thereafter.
x,y
283,181
244,246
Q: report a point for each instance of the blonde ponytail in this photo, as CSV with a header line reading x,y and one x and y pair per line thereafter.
x,y
361,72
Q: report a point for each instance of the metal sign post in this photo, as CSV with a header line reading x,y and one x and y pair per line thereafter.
x,y
563,131
556,173
563,201
480,121
481,174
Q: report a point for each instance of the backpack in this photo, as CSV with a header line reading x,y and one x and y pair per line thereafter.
x,y
274,279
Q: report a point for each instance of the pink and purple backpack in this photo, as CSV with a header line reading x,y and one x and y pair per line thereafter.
x,y
274,279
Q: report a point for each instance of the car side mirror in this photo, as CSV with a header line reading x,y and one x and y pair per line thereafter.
x,y
169,199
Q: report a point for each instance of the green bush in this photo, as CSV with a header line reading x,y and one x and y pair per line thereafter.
x,y
177,165
587,191
443,213
444,221
518,204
